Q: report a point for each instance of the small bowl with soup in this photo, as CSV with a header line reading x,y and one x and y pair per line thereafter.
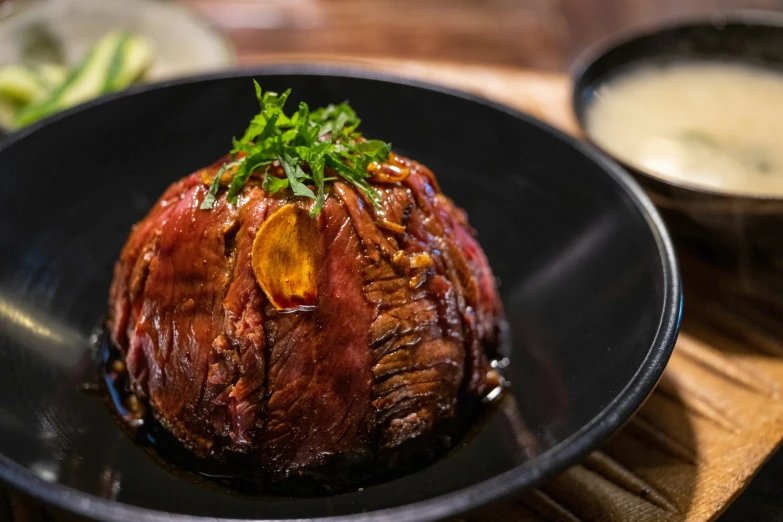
x,y
695,112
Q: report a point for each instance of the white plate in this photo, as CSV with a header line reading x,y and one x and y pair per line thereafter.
x,y
62,30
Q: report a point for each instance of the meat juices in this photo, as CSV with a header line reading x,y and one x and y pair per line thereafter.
x,y
407,313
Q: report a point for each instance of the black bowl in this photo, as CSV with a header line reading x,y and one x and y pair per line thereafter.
x,y
589,281
731,230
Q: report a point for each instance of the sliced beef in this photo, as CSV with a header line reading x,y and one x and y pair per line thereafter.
x,y
319,364
407,310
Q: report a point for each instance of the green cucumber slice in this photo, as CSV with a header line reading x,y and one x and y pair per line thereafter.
x,y
112,63
21,84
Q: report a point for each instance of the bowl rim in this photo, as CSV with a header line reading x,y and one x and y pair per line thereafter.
x,y
594,53
552,461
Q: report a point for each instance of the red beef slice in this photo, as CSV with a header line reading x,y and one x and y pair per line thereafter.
x,y
407,309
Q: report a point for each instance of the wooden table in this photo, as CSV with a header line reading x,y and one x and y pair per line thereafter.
x,y
539,34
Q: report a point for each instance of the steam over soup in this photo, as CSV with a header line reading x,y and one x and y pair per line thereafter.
x,y
709,124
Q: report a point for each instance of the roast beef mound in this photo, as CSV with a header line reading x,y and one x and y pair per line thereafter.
x,y
406,322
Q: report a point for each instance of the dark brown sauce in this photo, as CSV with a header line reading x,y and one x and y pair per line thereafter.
x,y
239,474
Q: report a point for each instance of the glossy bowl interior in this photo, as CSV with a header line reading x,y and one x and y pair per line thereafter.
x,y
729,228
588,278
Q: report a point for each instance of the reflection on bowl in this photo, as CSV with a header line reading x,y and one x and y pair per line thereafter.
x,y
731,226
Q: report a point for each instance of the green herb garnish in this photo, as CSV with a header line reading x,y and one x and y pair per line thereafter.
x,y
307,145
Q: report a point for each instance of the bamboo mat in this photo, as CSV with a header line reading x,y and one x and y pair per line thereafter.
x,y
713,420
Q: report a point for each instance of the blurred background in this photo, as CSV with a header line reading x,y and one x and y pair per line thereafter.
x,y
541,34
469,41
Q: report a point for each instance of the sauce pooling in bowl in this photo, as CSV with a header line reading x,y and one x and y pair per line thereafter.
x,y
709,124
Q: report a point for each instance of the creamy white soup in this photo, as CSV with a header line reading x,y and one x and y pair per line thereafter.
x,y
710,124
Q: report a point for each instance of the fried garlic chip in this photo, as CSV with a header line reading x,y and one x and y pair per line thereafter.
x,y
286,255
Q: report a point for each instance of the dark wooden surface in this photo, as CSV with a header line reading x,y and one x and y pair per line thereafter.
x,y
763,500
541,34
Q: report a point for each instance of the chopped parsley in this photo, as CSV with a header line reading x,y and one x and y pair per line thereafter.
x,y
307,145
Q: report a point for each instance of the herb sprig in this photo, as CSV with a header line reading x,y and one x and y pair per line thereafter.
x,y
307,145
